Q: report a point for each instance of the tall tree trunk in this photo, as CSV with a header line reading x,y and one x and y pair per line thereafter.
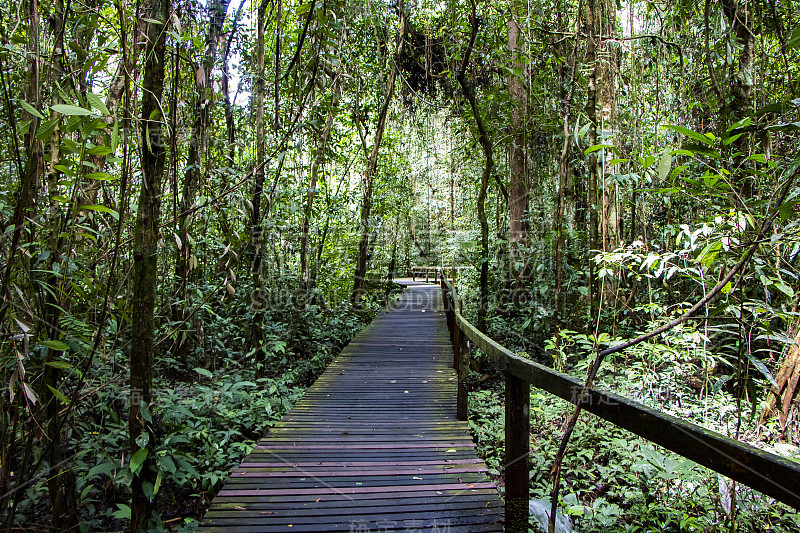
x,y
518,161
488,169
741,104
256,333
312,187
607,67
592,163
230,123
563,171
369,173
197,147
145,271
61,478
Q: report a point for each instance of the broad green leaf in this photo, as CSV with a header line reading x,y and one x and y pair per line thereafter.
x,y
123,513
785,289
762,368
794,40
100,176
102,468
46,129
157,484
100,150
97,103
690,133
732,139
597,147
143,439
101,209
61,365
664,165
71,110
648,161
204,372
58,394
56,345
138,458
30,109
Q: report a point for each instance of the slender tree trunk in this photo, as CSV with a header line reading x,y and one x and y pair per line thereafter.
x,y
256,332
369,174
312,188
592,164
741,104
518,162
488,169
61,479
230,123
194,164
607,68
145,271
563,170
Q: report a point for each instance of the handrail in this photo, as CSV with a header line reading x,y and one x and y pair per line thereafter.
x,y
766,472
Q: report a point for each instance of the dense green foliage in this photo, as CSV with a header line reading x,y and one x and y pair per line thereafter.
x,y
593,179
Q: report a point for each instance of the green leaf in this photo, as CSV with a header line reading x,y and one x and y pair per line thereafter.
x,y
56,345
157,484
101,209
762,368
61,365
71,110
143,439
97,103
100,176
58,394
648,161
732,139
102,468
794,40
137,459
144,412
785,289
124,512
100,150
597,147
664,165
30,109
204,372
690,133
46,129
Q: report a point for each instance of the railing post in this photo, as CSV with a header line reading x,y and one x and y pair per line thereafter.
x,y
517,460
462,355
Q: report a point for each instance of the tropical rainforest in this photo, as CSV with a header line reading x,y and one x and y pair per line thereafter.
x,y
202,202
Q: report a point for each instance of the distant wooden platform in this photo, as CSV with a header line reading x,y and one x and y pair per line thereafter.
x,y
374,445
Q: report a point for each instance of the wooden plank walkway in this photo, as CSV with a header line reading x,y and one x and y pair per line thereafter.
x,y
374,445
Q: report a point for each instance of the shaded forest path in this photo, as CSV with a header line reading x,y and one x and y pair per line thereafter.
x,y
373,445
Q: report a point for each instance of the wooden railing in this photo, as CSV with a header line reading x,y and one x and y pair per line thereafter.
x,y
768,473
430,273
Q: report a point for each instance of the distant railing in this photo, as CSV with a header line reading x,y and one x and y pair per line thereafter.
x,y
771,474
432,273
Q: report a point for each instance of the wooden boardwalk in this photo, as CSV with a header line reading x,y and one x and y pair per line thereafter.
x,y
374,445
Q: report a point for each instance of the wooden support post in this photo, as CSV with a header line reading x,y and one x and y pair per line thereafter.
x,y
462,355
517,460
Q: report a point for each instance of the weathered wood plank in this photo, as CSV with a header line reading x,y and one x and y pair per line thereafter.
x,y
373,445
